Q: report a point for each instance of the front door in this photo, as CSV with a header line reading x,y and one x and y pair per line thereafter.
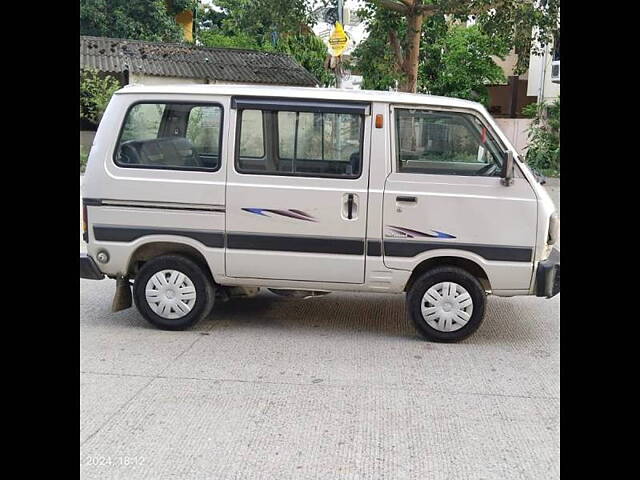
x,y
296,197
445,196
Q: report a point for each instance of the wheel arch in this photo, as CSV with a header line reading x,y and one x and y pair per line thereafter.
x,y
469,266
154,249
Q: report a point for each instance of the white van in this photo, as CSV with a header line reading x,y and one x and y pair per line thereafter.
x,y
196,193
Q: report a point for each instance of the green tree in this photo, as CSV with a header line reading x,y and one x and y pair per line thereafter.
x,y
455,60
266,20
310,52
522,24
266,25
214,38
95,92
543,152
149,20
461,65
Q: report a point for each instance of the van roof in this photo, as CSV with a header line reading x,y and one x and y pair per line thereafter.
x,y
301,92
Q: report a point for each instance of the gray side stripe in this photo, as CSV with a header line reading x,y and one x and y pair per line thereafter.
x,y
327,245
156,205
401,248
117,233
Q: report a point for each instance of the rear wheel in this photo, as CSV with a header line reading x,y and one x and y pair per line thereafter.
x,y
446,304
173,292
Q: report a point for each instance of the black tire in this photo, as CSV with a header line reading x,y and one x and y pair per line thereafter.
x,y
446,274
205,291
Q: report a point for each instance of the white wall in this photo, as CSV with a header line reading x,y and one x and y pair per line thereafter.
x,y
551,90
86,139
155,80
516,131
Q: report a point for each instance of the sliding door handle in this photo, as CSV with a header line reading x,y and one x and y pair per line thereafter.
x,y
350,206
406,198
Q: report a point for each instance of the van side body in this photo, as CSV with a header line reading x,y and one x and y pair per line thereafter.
x,y
371,218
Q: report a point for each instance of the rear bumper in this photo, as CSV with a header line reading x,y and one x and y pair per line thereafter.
x,y
89,269
548,275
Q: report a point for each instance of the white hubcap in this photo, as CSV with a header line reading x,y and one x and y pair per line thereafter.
x,y
170,294
447,307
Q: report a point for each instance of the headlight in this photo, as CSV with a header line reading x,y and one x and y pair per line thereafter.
x,y
554,229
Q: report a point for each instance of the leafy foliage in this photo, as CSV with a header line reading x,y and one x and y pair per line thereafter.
x,y
310,52
266,25
543,152
265,20
177,6
137,20
525,26
374,56
213,38
454,60
95,92
460,64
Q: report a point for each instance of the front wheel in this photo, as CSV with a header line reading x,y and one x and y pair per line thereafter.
x,y
446,304
173,292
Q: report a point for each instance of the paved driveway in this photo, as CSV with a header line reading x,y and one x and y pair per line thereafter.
x,y
335,387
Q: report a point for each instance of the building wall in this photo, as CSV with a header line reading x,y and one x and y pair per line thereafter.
x,y
185,20
551,90
155,80
516,130
86,139
500,98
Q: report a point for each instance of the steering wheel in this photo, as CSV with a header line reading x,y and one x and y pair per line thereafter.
x,y
129,154
487,170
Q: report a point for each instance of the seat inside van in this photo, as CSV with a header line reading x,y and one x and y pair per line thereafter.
x,y
163,152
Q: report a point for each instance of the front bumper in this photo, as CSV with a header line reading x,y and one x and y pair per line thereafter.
x,y
89,269
548,275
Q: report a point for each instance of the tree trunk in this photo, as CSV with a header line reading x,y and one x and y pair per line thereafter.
x,y
412,54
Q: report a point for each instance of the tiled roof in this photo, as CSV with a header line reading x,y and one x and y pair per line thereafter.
x,y
115,55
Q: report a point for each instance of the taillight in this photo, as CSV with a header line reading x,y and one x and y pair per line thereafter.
x,y
85,224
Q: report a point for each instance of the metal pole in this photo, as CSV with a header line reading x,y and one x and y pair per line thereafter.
x,y
543,73
339,59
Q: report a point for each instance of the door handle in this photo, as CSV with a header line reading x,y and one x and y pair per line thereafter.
x,y
406,198
350,206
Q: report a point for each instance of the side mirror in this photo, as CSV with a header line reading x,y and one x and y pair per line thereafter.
x,y
540,178
508,169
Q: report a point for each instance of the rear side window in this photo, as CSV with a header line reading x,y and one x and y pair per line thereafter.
x,y
300,143
175,136
445,143
252,136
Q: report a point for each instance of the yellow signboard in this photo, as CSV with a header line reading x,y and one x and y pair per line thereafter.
x,y
338,40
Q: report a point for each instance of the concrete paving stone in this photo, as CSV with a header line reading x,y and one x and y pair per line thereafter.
x,y
335,387
184,428
101,396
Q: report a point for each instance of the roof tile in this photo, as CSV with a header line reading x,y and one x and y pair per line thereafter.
x,y
115,55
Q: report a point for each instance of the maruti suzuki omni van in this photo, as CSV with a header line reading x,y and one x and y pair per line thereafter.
x,y
197,193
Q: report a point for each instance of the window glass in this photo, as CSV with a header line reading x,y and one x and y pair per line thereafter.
x,y
444,143
251,137
171,136
322,144
203,129
143,122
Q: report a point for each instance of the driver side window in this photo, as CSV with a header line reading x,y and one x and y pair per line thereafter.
x,y
444,143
